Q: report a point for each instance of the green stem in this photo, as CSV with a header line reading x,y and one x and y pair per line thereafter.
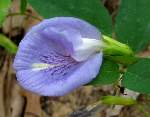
x,y
117,100
8,44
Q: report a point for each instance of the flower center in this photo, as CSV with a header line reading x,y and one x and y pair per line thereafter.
x,y
88,48
55,64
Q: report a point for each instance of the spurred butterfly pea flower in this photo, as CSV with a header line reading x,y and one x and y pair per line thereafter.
x,y
58,55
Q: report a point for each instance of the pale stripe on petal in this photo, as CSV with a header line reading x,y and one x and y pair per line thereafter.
x,y
42,66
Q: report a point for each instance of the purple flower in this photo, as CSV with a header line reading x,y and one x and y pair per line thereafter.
x,y
58,55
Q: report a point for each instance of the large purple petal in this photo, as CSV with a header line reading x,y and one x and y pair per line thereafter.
x,y
43,83
86,30
50,43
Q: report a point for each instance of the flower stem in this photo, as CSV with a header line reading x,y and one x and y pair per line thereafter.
x,y
117,100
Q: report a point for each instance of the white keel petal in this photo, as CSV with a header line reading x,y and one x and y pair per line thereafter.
x,y
87,49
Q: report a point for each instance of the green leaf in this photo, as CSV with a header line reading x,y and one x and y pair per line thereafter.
x,y
90,10
137,77
133,23
23,5
4,6
7,44
109,73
